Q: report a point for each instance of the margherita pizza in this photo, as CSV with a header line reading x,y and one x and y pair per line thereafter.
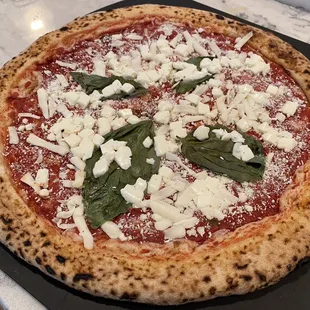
x,y
157,154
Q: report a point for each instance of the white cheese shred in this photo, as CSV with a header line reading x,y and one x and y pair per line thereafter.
x,y
42,100
13,136
35,140
243,40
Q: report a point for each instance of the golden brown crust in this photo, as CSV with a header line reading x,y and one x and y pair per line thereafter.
x,y
252,257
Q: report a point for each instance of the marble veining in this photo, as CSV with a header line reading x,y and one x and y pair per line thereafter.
x,y
291,21
23,21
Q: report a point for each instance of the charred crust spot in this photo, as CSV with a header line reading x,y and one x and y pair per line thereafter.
x,y
8,237
295,258
246,277
129,296
272,45
6,221
20,251
85,25
63,276
261,276
212,290
289,267
241,267
231,283
82,276
113,293
11,229
65,28
85,285
279,266
38,260
46,244
50,270
207,257
27,243
42,234
1,179
219,17
61,259
206,279
270,237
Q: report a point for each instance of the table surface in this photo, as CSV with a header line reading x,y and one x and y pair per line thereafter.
x,y
23,21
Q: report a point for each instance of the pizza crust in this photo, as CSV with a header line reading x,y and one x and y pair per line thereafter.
x,y
252,257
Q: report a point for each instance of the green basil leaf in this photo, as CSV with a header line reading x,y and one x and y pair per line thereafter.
x,y
197,60
136,93
102,198
186,86
214,222
216,155
92,82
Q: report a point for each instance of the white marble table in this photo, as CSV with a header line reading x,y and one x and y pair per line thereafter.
x,y
23,21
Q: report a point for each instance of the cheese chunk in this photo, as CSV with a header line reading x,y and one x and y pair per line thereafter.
x,y
101,167
202,133
242,152
111,229
162,117
134,193
104,126
78,163
154,183
147,143
167,211
42,178
123,157
289,108
175,232
125,113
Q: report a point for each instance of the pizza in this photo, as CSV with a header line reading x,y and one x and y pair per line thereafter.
x,y
157,154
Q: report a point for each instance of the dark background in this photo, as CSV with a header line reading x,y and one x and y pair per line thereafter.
x,y
291,293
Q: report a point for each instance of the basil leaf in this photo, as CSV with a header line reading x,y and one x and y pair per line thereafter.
x,y
216,155
214,222
102,198
92,82
186,86
197,60
136,93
